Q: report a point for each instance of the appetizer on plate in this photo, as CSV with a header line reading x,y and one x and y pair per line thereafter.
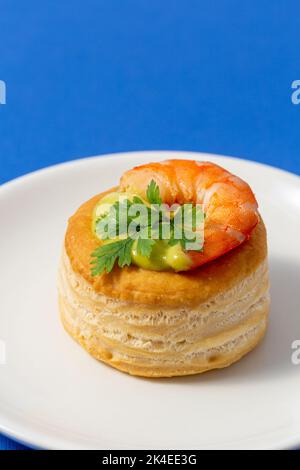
x,y
167,274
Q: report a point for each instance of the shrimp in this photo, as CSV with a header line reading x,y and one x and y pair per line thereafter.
x,y
228,202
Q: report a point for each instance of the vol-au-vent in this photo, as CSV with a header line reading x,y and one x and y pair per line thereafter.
x,y
155,301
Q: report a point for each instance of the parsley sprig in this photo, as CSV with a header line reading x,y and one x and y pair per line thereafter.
x,y
119,217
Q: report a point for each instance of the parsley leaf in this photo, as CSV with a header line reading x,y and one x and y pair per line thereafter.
x,y
106,255
153,194
144,246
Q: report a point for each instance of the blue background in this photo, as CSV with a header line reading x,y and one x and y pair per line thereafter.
x,y
91,77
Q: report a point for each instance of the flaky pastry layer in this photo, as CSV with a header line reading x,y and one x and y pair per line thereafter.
x,y
162,324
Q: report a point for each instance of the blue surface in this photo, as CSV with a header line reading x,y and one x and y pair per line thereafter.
x,y
85,78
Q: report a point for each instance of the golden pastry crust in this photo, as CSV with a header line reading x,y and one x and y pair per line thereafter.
x,y
137,285
151,341
163,324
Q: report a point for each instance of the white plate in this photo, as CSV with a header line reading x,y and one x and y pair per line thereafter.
x,y
54,395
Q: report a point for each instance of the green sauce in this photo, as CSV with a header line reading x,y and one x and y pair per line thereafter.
x,y
163,256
